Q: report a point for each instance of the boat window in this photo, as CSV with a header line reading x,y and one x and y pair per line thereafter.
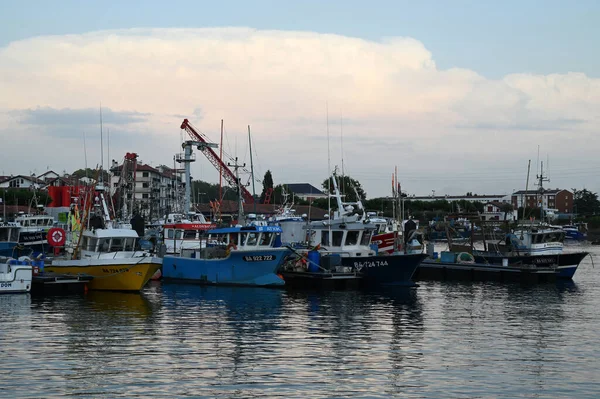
x,y
170,233
336,238
252,239
179,234
233,238
4,234
129,244
189,234
352,237
366,238
103,244
91,244
536,239
116,244
265,239
325,238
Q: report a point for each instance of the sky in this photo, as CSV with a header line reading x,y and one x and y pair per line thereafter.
x,y
459,96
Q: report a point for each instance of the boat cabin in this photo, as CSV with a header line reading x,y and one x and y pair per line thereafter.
x,y
35,221
244,238
346,239
9,232
108,243
537,240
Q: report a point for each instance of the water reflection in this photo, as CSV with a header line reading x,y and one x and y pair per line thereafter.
x,y
442,339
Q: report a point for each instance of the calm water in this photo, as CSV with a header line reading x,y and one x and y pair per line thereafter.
x,y
440,340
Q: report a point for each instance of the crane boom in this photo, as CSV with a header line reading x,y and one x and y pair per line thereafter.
x,y
216,160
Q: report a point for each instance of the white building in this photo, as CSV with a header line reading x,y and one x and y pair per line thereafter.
x,y
20,181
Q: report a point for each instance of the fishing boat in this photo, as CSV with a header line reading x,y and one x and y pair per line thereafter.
x,y
34,230
575,232
109,255
532,248
181,233
339,251
242,255
15,275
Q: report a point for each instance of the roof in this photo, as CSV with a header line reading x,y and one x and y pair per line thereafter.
x,y
47,173
146,168
534,192
116,233
304,188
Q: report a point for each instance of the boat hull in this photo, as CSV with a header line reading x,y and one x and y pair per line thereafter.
x,y
15,278
120,274
254,268
390,270
7,248
385,242
565,264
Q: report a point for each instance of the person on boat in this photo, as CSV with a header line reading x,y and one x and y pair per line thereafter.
x,y
231,245
96,222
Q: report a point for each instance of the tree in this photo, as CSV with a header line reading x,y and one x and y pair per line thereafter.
x,y
586,202
267,185
346,185
23,196
91,173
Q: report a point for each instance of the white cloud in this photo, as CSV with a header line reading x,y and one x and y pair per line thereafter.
x,y
443,128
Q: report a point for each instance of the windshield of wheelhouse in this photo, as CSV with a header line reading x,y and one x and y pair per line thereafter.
x,y
266,239
366,237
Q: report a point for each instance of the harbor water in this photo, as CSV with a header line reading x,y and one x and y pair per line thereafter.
x,y
439,340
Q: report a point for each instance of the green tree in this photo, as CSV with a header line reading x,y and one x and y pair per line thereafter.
x,y
267,185
24,196
91,173
585,202
347,186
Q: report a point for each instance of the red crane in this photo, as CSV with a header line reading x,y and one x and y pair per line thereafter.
x,y
215,160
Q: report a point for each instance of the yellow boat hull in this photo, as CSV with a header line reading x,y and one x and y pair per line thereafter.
x,y
128,274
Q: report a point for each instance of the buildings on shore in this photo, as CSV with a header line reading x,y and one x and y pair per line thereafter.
x,y
156,191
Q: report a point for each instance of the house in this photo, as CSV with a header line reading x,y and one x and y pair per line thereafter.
x,y
557,199
20,181
495,210
48,176
484,198
305,191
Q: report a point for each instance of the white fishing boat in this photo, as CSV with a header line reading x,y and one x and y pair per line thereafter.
x,y
15,275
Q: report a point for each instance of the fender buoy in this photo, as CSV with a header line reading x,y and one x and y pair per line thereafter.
x,y
56,237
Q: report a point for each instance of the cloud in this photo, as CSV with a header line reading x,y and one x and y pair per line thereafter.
x,y
398,108
46,116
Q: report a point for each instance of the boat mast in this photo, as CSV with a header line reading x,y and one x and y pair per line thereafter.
x,y
252,169
220,176
236,166
526,188
101,150
541,180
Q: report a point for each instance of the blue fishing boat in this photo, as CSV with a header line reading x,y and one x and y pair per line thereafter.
x,y
575,232
230,256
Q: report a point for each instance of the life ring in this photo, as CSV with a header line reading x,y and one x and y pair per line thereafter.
x,y
465,257
56,237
